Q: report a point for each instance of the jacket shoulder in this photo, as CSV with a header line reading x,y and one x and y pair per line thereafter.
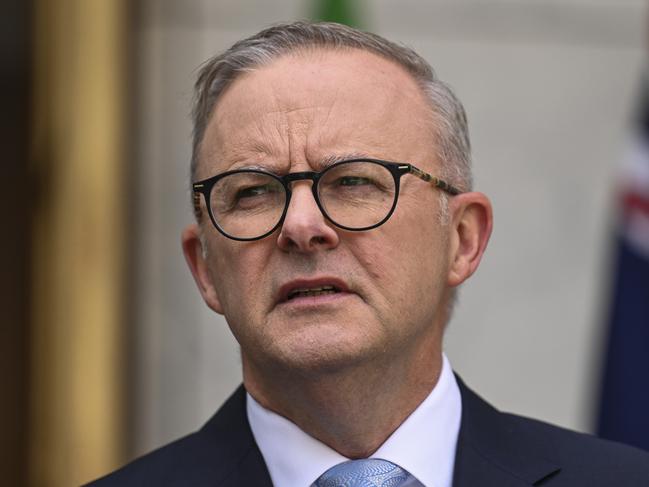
x,y
168,465
584,456
496,448
223,452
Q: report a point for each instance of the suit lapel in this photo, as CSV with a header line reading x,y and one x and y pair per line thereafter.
x,y
494,451
251,470
235,458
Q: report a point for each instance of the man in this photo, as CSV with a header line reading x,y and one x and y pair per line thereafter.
x,y
335,220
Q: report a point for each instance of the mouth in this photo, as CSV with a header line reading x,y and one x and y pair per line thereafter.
x,y
322,288
311,292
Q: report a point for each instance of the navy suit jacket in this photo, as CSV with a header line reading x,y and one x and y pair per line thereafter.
x,y
494,449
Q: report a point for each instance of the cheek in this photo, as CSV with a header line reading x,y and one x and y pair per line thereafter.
x,y
415,264
397,265
238,275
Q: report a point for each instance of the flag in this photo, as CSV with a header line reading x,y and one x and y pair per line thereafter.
x,y
624,406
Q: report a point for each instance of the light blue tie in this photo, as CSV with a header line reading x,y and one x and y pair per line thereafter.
x,y
370,472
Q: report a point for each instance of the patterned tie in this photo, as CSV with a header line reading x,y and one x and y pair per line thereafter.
x,y
371,472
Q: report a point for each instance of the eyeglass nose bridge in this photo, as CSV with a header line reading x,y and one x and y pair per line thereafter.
x,y
302,176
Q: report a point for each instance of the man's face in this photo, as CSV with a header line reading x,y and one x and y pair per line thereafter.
x,y
293,115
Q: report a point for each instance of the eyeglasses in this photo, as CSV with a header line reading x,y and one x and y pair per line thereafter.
x,y
355,195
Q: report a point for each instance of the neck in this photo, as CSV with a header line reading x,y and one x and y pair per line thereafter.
x,y
353,410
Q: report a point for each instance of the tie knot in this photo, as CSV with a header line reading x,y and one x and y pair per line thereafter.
x,y
370,472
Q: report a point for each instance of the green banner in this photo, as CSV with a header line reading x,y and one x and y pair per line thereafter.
x,y
341,11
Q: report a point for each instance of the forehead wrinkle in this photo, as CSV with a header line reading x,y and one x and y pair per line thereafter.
x,y
298,124
234,154
248,143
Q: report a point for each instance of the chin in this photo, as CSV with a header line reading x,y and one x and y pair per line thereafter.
x,y
310,354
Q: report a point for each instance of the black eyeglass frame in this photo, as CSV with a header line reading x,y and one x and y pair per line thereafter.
x,y
397,170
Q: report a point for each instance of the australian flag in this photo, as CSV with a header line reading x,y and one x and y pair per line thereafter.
x,y
624,407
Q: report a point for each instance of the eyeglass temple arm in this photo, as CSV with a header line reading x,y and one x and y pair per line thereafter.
x,y
438,183
197,189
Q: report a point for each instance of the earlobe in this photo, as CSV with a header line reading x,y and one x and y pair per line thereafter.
x,y
195,258
471,224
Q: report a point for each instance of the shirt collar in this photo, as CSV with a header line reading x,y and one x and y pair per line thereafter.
x,y
424,444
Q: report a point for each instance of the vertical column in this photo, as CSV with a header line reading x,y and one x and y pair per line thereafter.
x,y
80,235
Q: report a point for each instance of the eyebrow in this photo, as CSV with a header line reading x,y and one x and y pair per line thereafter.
x,y
259,167
267,165
335,158
320,165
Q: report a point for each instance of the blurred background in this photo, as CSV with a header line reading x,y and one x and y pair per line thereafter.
x,y
107,350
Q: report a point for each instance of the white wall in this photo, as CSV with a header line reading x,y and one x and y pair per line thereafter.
x,y
548,86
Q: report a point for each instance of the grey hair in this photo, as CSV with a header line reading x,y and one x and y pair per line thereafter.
x,y
450,127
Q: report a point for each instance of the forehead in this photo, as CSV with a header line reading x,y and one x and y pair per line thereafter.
x,y
312,104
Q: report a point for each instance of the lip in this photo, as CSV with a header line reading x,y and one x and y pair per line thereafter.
x,y
287,288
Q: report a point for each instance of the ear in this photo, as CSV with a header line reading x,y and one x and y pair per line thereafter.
x,y
195,257
471,224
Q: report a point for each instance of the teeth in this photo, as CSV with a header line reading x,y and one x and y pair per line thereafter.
x,y
314,291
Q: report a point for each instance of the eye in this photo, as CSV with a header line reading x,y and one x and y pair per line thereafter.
x,y
353,181
252,191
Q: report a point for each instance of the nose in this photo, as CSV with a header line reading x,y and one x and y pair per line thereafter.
x,y
305,228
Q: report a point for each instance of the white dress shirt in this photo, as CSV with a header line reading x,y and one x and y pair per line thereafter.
x,y
424,444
